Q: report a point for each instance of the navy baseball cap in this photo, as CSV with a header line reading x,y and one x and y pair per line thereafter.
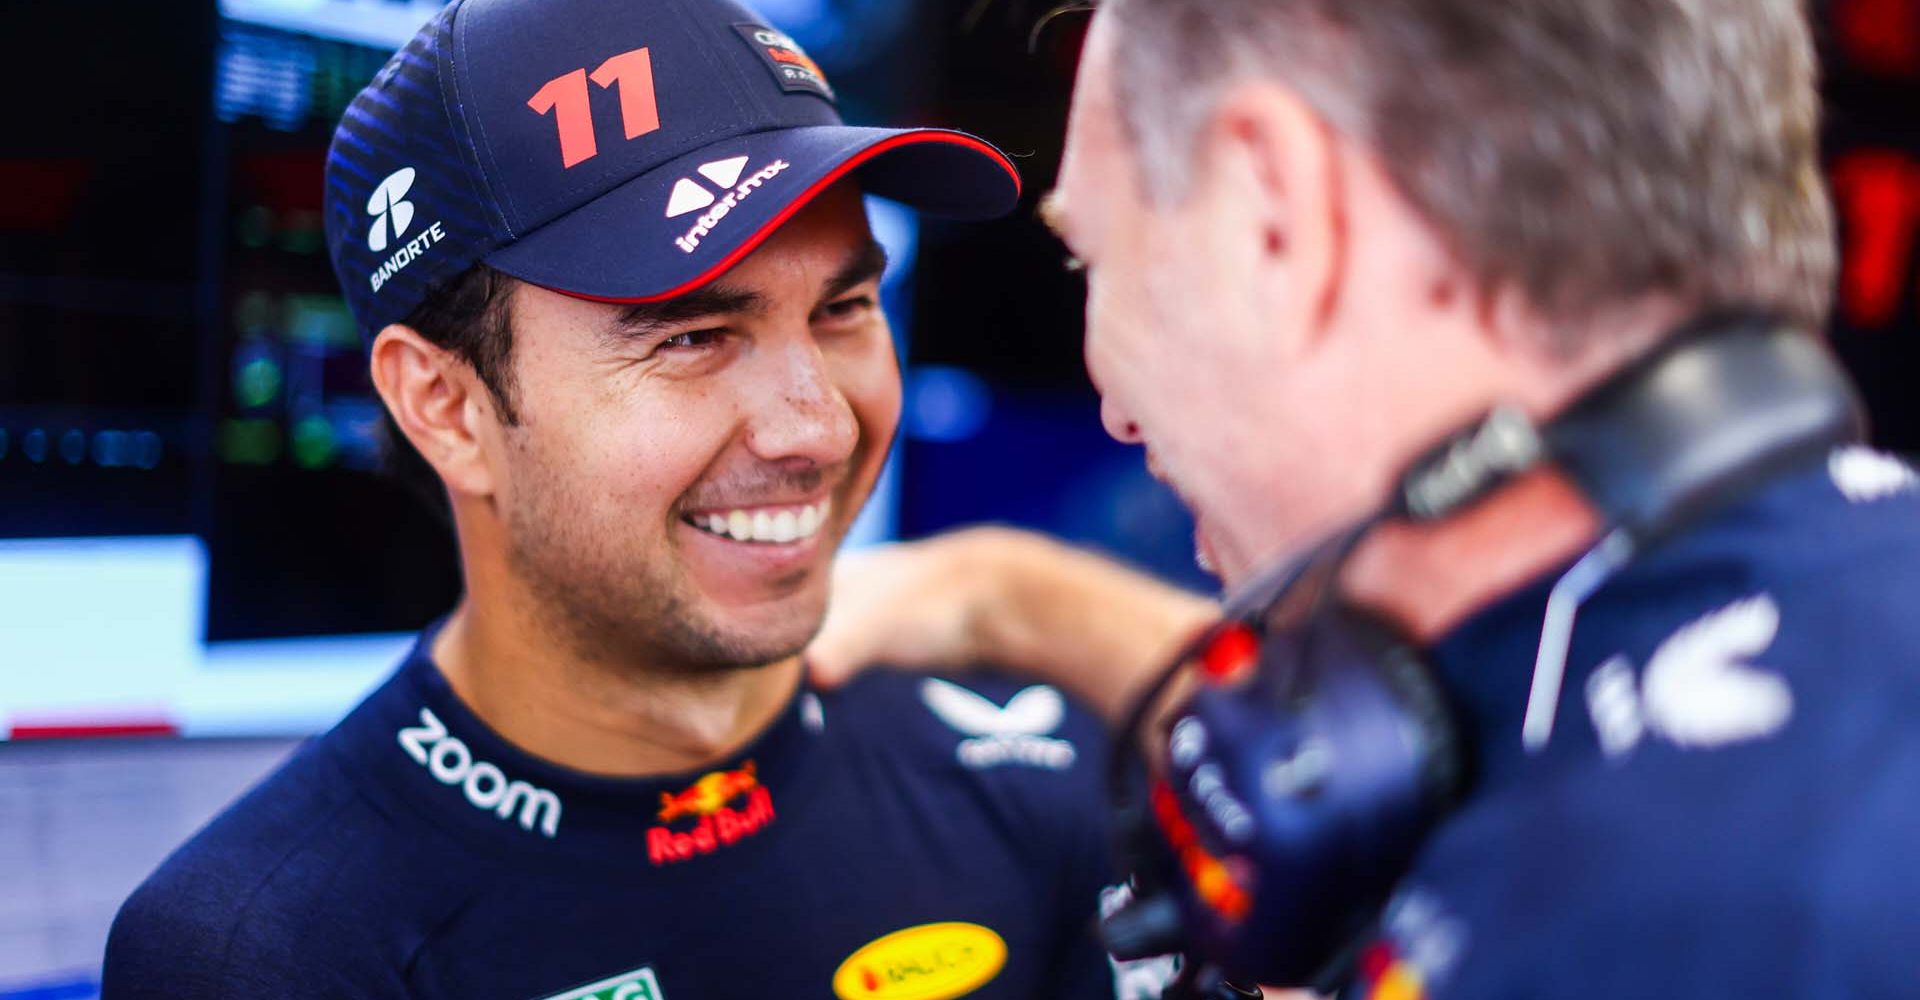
x,y
619,150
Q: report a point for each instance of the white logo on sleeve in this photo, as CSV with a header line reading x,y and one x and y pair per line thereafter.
x,y
1425,934
1864,475
689,196
451,763
1701,690
1015,734
388,204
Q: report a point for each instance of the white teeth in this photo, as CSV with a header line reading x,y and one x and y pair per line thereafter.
x,y
779,526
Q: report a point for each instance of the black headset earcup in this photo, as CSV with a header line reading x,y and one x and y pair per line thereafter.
x,y
1308,786
1404,668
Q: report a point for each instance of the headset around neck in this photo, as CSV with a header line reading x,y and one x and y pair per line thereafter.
x,y
1291,789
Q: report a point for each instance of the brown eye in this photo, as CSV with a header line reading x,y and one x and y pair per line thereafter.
x,y
692,340
850,308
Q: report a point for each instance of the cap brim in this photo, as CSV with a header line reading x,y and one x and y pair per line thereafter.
x,y
624,246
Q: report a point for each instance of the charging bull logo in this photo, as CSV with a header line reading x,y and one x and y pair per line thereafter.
x,y
710,802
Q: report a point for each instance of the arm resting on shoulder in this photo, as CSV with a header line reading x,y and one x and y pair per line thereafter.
x,y
1011,598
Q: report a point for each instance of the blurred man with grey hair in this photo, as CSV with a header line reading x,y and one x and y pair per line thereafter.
x,y
1320,236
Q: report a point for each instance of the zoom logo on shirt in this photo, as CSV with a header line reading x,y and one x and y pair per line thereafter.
x,y
451,763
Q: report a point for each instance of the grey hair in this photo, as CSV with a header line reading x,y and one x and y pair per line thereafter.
x,y
1591,153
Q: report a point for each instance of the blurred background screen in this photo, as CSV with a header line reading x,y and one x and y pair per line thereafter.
x,y
194,534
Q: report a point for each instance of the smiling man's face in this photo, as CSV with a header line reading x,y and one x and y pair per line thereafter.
x,y
682,472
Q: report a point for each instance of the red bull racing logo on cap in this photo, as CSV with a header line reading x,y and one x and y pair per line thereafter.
x,y
711,803
792,68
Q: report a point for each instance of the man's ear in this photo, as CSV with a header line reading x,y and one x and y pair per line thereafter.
x,y
1280,165
432,397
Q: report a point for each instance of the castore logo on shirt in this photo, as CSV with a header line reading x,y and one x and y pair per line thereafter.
x,y
1016,734
1701,690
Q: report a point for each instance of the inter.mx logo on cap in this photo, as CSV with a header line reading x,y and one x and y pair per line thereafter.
x,y
691,196
392,216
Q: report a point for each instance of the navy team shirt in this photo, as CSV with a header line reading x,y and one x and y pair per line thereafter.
x,y
1729,806
906,837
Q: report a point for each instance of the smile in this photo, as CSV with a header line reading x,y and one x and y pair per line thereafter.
x,y
763,525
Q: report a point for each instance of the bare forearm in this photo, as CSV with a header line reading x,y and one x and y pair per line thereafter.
x,y
1074,619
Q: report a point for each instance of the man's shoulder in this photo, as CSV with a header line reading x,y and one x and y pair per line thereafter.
x,y
303,877
1736,873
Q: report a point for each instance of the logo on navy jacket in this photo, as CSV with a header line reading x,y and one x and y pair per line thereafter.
x,y
1420,945
1014,735
1705,687
929,962
725,807
637,984
485,786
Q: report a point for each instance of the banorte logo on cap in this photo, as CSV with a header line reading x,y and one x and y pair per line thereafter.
x,y
392,217
388,201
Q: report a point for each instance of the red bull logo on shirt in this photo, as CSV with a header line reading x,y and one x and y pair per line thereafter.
x,y
710,801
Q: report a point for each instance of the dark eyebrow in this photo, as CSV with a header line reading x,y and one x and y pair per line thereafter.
x,y
867,263
645,318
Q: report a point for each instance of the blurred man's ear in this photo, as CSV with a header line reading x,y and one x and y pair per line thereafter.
x,y
1283,164
439,404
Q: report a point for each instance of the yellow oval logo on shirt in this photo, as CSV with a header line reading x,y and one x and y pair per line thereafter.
x,y
929,962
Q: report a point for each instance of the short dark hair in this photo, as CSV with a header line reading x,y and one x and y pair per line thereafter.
x,y
470,316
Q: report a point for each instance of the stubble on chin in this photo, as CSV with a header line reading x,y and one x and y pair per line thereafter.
x,y
631,610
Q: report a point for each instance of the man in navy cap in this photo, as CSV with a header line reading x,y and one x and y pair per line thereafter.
x,y
621,291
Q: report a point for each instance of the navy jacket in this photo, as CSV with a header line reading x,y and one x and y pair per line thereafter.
x,y
905,837
1729,806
